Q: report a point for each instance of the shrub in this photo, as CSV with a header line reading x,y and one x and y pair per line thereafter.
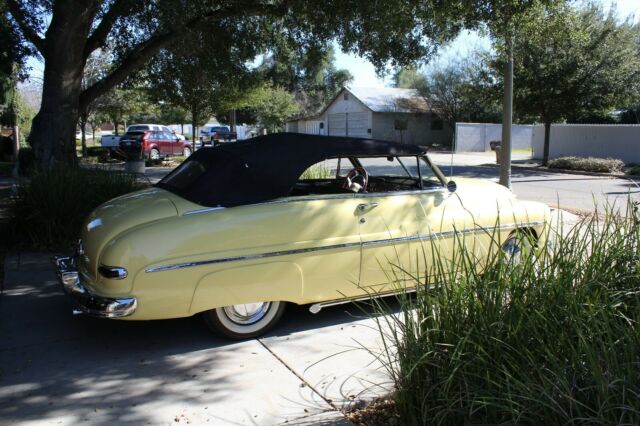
x,y
588,164
50,207
26,160
632,169
97,151
554,339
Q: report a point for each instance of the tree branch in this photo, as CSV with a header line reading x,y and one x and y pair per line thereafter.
x,y
29,33
100,34
143,51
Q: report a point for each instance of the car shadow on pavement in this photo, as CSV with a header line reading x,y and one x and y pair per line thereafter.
x,y
54,365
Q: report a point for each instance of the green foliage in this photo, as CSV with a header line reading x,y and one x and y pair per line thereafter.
x,y
26,159
13,54
309,73
573,63
317,171
50,206
632,170
460,90
535,338
274,106
588,164
408,78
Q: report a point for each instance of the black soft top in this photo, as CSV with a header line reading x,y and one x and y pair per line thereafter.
x,y
266,167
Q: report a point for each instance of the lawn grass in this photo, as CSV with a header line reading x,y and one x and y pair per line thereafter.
x,y
551,339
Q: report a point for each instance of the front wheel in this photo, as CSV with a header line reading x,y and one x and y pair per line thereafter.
x,y
186,152
244,321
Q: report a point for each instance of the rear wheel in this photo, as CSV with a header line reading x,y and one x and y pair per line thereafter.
x,y
186,152
154,154
244,321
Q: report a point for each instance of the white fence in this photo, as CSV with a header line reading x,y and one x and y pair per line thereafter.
x,y
620,141
475,137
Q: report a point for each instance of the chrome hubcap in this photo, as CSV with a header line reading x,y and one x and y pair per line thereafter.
x,y
155,155
247,313
513,250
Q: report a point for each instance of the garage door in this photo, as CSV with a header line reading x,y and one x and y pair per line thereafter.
x,y
338,124
357,124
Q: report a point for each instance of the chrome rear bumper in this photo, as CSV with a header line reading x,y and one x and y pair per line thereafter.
x,y
87,302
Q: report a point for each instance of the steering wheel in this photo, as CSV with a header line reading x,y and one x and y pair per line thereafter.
x,y
357,180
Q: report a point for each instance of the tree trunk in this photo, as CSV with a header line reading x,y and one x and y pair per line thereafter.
x,y
54,127
507,117
115,127
547,137
83,125
194,130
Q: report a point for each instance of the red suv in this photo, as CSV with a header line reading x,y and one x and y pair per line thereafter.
x,y
155,144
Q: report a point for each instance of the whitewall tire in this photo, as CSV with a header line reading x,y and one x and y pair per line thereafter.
x,y
244,321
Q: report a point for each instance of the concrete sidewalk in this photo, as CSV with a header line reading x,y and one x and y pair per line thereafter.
x,y
60,369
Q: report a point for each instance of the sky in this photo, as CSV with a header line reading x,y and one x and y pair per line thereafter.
x,y
364,72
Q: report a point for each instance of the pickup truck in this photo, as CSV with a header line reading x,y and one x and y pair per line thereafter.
x,y
213,135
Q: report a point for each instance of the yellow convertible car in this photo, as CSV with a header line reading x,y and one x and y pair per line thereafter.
x,y
238,231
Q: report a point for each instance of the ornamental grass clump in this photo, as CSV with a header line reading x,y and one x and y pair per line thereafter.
x,y
587,164
49,207
553,338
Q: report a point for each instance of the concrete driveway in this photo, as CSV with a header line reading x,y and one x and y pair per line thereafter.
x,y
61,369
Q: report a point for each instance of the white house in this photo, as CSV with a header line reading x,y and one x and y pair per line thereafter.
x,y
388,113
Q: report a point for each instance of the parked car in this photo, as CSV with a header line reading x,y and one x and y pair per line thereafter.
x,y
113,142
237,232
212,135
154,144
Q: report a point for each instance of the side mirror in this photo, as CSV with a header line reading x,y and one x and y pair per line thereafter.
x,y
451,186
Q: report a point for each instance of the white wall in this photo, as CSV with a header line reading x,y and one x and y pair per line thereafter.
x,y
621,141
475,137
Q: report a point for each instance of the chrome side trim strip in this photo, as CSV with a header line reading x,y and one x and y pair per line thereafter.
x,y
205,210
336,246
249,257
448,234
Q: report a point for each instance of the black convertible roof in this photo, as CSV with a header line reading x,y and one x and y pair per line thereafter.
x,y
266,167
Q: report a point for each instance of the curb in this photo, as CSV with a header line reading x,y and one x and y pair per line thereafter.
x,y
568,172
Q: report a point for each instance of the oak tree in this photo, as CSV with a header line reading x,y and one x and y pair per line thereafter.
x,y
66,32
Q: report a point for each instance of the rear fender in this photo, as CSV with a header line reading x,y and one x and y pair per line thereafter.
x,y
277,281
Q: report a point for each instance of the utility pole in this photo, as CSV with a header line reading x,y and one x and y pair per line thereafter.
x,y
507,116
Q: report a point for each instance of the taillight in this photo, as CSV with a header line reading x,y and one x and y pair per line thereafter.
x,y
145,136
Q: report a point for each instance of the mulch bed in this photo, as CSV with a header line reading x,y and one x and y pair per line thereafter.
x,y
380,412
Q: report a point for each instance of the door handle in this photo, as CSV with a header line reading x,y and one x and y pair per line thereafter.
x,y
364,206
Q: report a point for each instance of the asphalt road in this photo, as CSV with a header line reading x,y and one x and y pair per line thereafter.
x,y
570,192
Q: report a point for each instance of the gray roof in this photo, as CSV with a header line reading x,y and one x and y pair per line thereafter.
x,y
385,99
389,99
